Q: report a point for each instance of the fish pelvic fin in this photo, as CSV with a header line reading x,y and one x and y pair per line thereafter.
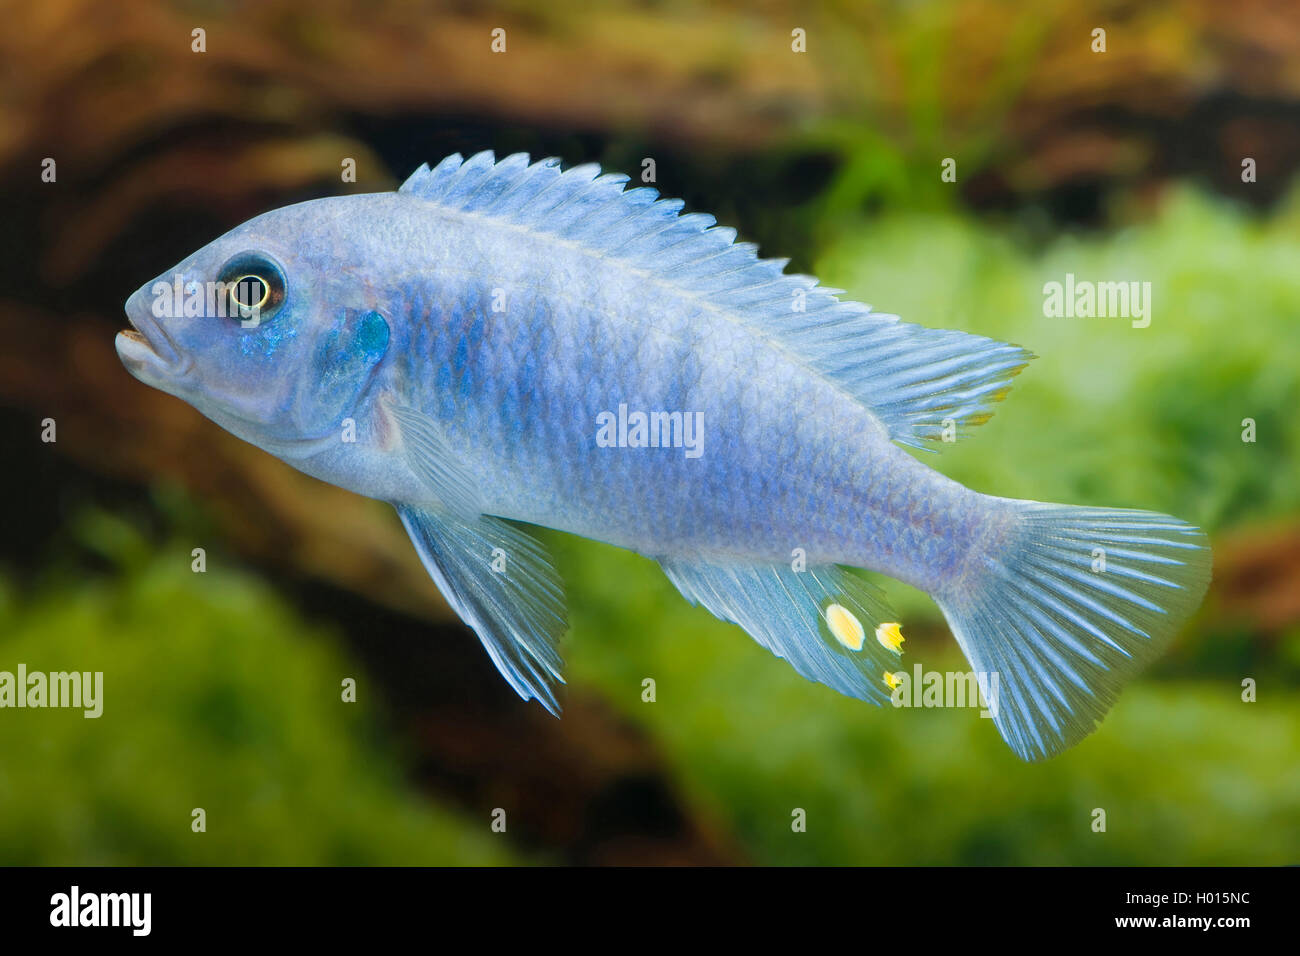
x,y
500,581
830,624
1064,605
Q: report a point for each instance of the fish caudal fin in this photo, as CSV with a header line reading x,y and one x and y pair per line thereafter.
x,y
1066,605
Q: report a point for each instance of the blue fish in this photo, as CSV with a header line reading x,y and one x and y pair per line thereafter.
x,y
503,344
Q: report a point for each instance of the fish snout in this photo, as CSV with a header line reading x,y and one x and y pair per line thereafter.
x,y
146,347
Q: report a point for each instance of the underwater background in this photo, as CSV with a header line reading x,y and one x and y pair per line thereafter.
x,y
222,689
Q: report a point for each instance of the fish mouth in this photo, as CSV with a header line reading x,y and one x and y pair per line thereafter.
x,y
146,348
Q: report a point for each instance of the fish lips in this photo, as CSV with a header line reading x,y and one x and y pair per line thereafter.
x,y
146,349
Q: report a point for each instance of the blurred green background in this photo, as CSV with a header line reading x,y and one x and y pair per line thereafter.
x,y
223,689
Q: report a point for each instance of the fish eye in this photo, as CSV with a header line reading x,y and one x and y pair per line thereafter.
x,y
250,292
254,284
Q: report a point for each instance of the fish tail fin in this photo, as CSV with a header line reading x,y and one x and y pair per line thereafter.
x,y
1061,605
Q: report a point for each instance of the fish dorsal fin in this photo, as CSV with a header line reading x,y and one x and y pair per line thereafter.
x,y
918,381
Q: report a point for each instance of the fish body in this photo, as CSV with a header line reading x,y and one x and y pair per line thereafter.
x,y
499,343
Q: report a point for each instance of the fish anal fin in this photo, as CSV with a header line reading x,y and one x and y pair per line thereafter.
x,y
831,625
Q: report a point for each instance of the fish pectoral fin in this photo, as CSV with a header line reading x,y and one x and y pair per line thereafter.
x,y
431,456
833,626
500,581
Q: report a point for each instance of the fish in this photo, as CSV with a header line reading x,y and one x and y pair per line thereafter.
x,y
501,346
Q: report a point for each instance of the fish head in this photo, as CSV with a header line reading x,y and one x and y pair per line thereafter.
x,y
265,330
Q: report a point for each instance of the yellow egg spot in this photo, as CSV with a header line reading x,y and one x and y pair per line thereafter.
x,y
890,636
845,626
891,680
